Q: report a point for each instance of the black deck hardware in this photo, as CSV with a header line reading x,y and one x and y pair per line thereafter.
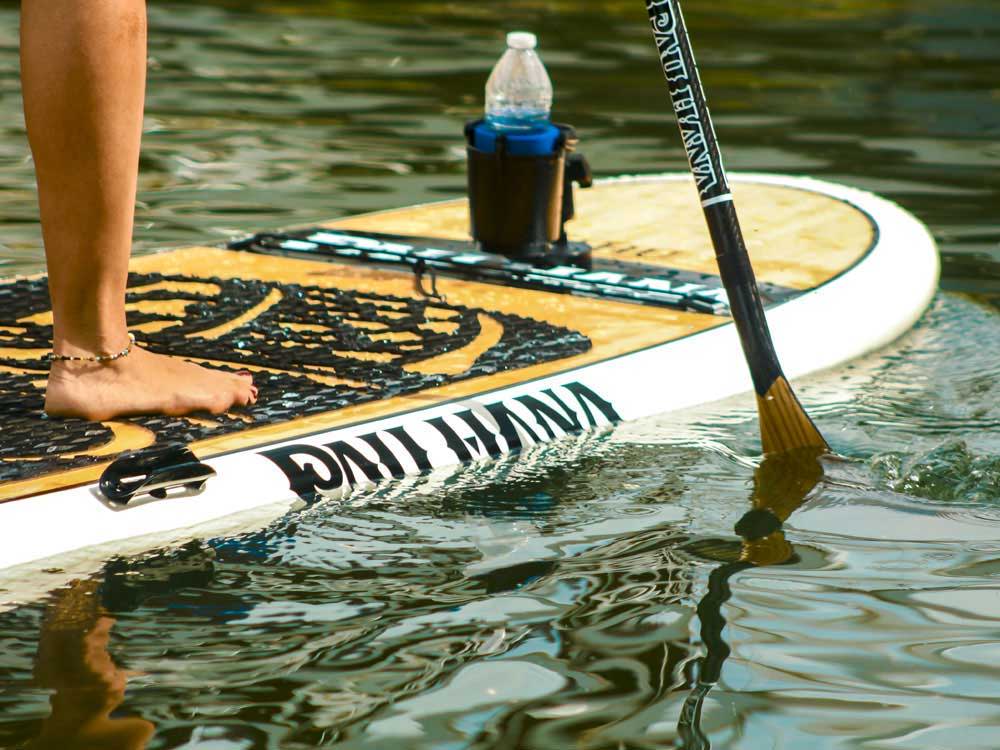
x,y
622,281
154,471
519,203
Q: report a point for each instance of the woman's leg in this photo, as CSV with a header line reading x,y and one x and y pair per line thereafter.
x,y
83,71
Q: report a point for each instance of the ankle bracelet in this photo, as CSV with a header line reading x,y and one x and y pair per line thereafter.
x,y
96,358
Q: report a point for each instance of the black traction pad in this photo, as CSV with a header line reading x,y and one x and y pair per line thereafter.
x,y
623,281
365,338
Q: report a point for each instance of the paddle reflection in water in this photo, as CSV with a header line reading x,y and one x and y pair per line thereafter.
x,y
622,642
781,484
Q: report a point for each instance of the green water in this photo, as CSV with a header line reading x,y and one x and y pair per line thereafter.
x,y
554,601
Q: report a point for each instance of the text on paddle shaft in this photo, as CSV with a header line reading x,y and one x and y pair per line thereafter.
x,y
481,431
682,76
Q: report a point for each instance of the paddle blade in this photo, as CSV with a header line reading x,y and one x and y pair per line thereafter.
x,y
784,424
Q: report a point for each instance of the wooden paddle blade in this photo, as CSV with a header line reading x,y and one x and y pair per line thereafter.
x,y
784,424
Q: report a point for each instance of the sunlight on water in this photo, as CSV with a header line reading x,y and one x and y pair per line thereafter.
x,y
591,594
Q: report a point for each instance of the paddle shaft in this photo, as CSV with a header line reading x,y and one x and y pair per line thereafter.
x,y
784,424
698,136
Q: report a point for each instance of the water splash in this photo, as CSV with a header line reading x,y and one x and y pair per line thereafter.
x,y
947,472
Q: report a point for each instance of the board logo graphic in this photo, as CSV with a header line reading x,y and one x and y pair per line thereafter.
x,y
481,430
313,349
681,73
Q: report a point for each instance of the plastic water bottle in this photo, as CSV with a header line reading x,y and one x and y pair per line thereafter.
x,y
519,92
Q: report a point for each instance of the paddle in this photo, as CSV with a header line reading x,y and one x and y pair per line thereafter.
x,y
784,424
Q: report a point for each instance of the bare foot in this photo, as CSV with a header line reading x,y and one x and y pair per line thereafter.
x,y
143,383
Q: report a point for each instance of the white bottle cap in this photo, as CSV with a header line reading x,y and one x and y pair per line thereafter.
x,y
522,40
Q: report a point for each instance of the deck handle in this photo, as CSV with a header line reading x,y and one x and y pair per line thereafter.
x,y
154,471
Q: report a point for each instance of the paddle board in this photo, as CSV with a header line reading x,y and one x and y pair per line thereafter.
x,y
384,346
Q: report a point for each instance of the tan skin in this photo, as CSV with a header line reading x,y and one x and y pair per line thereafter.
x,y
74,663
83,73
